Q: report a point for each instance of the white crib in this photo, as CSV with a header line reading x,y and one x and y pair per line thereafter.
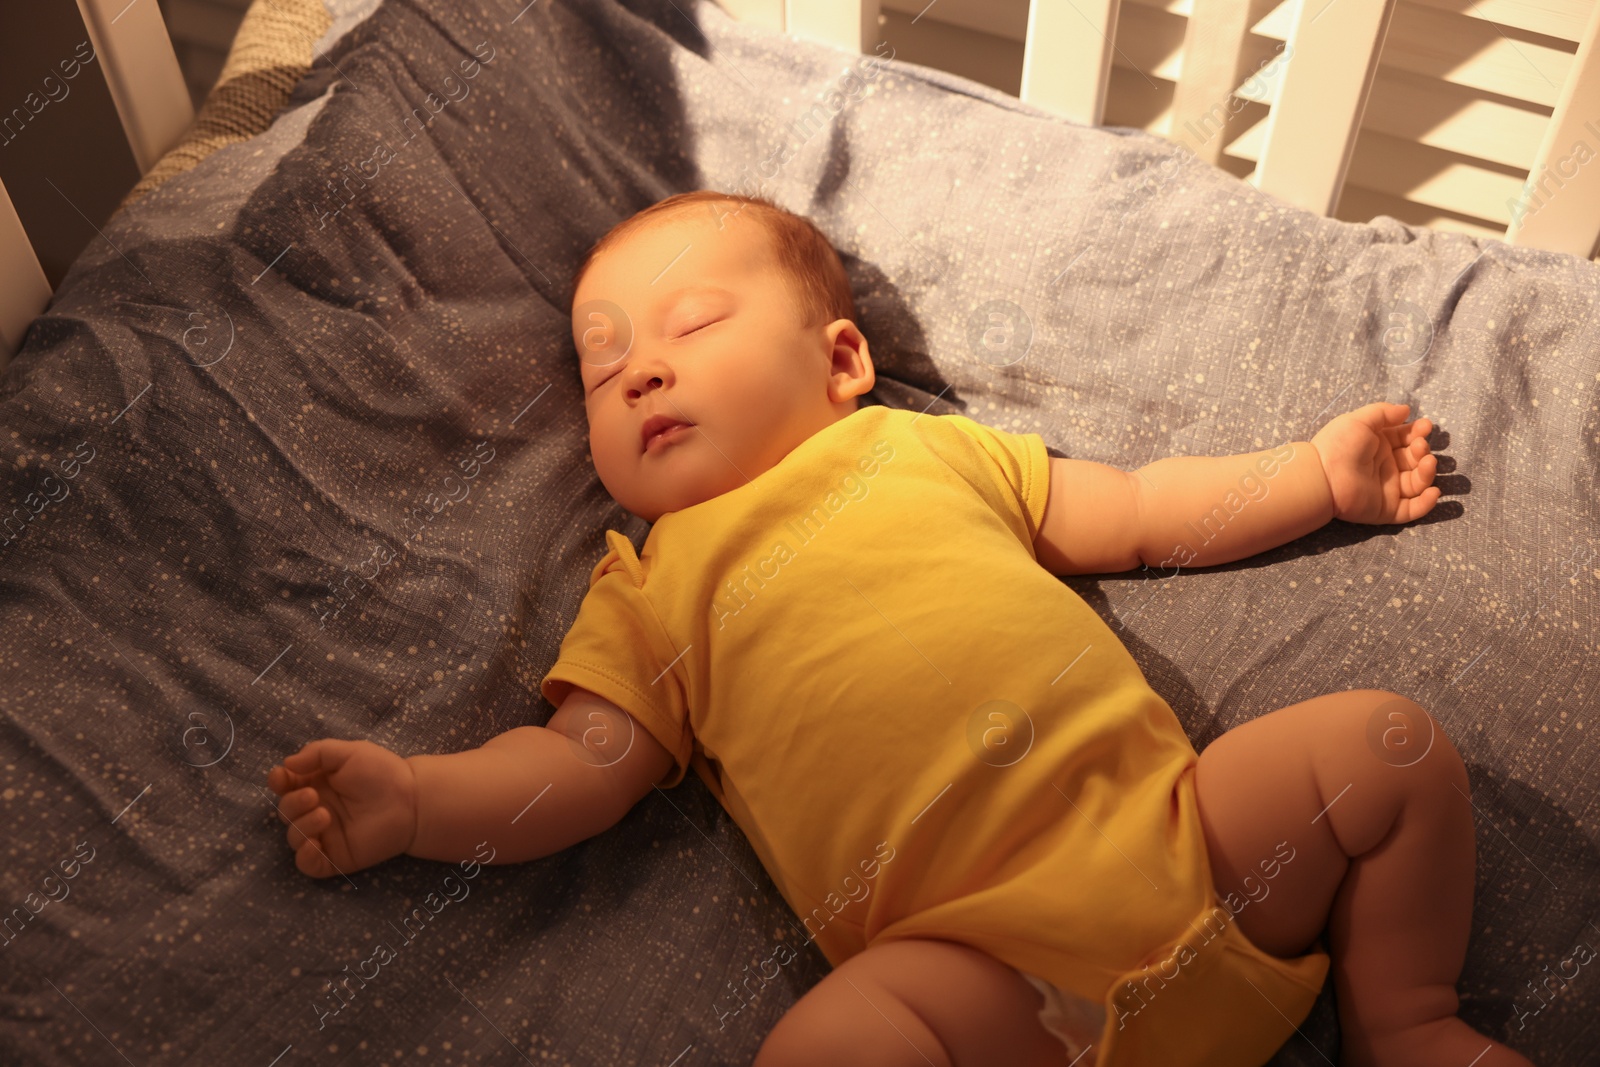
x,y
1485,112
1482,112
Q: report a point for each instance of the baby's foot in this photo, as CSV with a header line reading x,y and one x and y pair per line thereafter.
x,y
1445,1042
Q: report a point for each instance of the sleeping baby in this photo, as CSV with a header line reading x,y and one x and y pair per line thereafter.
x,y
847,619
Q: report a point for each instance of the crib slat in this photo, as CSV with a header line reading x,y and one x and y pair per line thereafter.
x,y
1311,131
851,24
1457,48
24,292
1559,207
1213,47
1066,57
141,69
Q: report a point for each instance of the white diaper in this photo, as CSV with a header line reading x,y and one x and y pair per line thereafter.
x,y
1074,1019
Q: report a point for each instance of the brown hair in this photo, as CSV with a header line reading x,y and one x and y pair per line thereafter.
x,y
804,254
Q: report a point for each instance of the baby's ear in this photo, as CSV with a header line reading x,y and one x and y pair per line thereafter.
x,y
850,371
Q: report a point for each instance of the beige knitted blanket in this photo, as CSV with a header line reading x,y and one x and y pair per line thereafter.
x,y
272,51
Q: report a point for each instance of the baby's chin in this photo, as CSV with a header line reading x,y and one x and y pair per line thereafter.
x,y
661,499
673,501
678,495
679,477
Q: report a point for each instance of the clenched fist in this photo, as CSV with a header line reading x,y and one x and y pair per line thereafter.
x,y
1379,466
349,805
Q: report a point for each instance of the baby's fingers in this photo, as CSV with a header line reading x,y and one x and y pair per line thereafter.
x,y
326,755
1414,481
1413,508
297,802
281,780
306,827
1407,457
1404,434
311,860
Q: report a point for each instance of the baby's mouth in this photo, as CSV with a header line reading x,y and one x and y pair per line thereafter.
x,y
658,432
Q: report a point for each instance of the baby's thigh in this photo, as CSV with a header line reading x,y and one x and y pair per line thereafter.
x,y
1285,800
915,1002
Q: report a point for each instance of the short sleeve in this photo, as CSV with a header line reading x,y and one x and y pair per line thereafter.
x,y
1021,461
618,649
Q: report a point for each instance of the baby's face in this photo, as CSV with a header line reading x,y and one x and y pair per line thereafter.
x,y
717,341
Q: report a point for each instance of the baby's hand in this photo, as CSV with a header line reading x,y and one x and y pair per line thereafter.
x,y
349,805
1379,467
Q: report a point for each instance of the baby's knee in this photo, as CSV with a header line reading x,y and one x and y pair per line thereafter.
x,y
1403,734
861,1024
913,1002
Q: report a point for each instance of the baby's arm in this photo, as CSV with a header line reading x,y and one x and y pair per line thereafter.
x,y
587,768
530,791
1181,511
1367,466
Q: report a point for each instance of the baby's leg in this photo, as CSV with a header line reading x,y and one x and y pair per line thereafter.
x,y
915,1002
1373,798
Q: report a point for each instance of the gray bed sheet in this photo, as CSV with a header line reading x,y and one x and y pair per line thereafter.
x,y
299,450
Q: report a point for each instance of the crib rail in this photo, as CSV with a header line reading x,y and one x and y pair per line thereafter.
x,y
1066,61
24,292
1564,223
1506,69
1312,127
132,54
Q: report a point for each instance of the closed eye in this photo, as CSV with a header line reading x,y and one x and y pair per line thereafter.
x,y
685,333
697,329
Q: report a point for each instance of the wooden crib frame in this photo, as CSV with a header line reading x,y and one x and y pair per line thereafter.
x,y
1317,95
1316,90
135,57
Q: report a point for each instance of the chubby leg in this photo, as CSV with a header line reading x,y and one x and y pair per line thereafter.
x,y
915,1003
1373,799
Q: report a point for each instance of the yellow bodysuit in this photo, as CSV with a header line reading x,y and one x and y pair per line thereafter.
x,y
924,733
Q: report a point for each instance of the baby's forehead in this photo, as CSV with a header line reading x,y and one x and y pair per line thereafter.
x,y
705,239
624,260
686,247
